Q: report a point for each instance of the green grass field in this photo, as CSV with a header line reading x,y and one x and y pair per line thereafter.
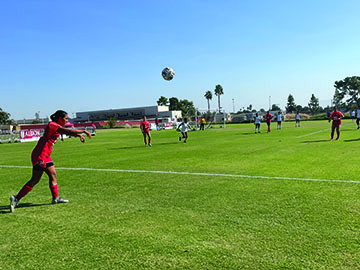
x,y
284,200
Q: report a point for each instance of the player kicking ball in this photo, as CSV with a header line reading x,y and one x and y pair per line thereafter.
x,y
183,127
41,161
335,116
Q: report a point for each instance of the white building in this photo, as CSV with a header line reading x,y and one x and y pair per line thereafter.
x,y
136,113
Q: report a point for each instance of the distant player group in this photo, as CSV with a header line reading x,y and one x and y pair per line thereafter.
x,y
335,116
42,162
268,118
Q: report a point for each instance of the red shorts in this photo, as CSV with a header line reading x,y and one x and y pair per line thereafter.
x,y
41,160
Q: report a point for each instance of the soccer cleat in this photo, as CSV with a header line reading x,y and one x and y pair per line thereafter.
x,y
179,139
145,145
14,202
59,200
149,144
337,138
331,139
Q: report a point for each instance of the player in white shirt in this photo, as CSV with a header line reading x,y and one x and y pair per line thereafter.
x,y
279,119
358,118
353,116
297,119
257,121
183,127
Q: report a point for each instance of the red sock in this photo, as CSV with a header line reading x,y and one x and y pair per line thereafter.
x,y
54,191
22,193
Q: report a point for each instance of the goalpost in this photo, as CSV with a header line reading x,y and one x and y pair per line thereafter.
x,y
212,117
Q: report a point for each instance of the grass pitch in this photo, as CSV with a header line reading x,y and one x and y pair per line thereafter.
x,y
286,211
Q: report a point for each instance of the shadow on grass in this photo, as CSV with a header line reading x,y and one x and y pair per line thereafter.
x,y
249,133
4,209
316,141
133,147
353,140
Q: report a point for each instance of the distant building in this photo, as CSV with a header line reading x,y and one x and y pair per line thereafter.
x,y
136,113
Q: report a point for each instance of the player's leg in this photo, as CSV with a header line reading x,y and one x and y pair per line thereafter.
x,y
337,132
357,122
145,141
51,172
149,138
185,136
35,178
332,132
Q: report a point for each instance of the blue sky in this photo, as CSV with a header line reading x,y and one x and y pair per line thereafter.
x,y
92,55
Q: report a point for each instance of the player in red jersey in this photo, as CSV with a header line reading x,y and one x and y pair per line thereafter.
x,y
41,161
268,116
335,116
144,126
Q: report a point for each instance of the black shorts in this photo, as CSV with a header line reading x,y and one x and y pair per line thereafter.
x,y
37,167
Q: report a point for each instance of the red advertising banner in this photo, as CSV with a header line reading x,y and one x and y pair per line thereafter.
x,y
29,135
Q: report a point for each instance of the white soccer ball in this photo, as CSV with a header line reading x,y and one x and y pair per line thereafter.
x,y
168,73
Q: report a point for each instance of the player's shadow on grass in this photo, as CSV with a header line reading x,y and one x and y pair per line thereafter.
x,y
316,141
4,209
248,133
353,140
138,146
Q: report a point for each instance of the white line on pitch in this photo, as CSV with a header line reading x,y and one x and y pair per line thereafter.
x,y
194,173
313,133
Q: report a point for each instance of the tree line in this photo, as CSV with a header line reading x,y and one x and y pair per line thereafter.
x,y
346,97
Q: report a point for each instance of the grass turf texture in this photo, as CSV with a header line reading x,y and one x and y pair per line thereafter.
x,y
142,220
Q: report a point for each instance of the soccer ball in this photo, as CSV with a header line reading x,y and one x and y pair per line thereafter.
x,y
168,73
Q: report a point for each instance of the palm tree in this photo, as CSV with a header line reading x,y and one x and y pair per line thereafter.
x,y
218,92
208,96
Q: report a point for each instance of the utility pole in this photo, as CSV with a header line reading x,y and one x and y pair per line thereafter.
x,y
233,106
269,103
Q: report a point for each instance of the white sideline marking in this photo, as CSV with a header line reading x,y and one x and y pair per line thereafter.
x,y
313,133
194,173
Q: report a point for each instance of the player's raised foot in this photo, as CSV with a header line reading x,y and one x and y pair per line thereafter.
x,y
14,202
59,200
179,139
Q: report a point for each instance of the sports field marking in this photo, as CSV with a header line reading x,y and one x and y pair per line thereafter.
x,y
312,133
194,173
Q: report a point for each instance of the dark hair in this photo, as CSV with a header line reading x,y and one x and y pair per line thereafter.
x,y
58,114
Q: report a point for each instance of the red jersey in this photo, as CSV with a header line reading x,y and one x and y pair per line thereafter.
x,y
144,126
42,151
336,117
268,117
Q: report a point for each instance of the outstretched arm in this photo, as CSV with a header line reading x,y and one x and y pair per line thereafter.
x,y
75,133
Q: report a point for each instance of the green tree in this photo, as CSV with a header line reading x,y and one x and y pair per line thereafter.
x,y
349,87
174,104
208,96
187,107
4,117
112,122
218,92
314,104
291,106
338,99
163,101
275,107
298,108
